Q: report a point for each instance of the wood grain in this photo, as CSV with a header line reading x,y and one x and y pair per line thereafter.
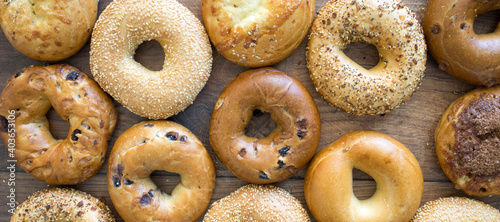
x,y
412,124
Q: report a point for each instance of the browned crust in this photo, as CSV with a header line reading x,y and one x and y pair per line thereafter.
x,y
159,145
445,138
455,46
48,30
26,99
276,30
456,209
257,203
122,27
287,149
395,170
62,204
392,28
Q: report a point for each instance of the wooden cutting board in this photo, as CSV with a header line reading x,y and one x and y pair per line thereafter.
x,y
412,124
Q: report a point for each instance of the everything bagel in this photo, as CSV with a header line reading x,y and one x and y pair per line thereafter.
x,y
392,28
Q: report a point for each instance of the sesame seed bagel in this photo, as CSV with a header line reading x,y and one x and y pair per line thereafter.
x,y
284,151
27,98
468,143
257,33
48,30
456,209
122,27
397,35
328,181
159,145
257,203
470,57
62,204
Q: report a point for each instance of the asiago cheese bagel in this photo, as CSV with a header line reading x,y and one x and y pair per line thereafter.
x,y
328,181
122,27
159,145
392,28
257,33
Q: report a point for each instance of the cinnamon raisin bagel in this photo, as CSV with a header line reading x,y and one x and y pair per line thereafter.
x,y
48,30
159,145
468,142
283,152
392,28
62,204
257,33
470,57
24,102
122,27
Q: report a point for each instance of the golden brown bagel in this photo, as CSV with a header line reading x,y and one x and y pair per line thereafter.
x,y
456,209
24,102
283,152
122,27
257,33
458,50
328,181
159,145
392,28
62,204
257,203
48,30
468,142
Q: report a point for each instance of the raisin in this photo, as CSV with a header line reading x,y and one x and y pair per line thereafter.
x,y
116,181
145,200
73,135
18,74
150,193
72,76
183,139
263,176
172,136
242,152
149,125
128,182
280,164
301,134
284,151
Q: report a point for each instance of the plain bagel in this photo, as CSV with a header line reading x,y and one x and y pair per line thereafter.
x,y
459,51
159,145
392,28
62,204
328,182
122,27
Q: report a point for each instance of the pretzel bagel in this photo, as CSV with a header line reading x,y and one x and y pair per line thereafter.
x,y
24,102
388,25
159,145
283,152
394,168
470,57
122,27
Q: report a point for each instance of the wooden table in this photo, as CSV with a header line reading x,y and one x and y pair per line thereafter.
x,y
412,124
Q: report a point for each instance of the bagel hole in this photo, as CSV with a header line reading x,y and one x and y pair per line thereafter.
x,y
165,180
261,125
59,128
362,53
486,22
150,55
363,185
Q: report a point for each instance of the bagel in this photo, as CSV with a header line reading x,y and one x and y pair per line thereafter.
x,y
468,143
456,209
257,33
283,152
62,204
257,203
159,145
470,57
394,168
24,103
122,27
392,28
48,30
